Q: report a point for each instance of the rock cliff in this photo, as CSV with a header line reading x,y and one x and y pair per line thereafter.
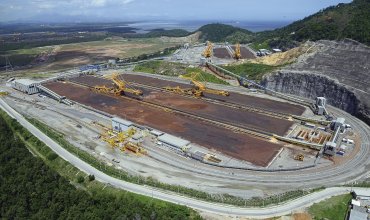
x,y
339,71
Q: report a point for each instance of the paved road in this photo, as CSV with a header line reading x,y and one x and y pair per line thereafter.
x,y
221,209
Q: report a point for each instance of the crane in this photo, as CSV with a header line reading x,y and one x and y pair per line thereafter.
x,y
121,87
200,86
207,53
237,54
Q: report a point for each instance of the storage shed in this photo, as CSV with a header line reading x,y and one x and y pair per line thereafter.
x,y
119,124
173,142
26,86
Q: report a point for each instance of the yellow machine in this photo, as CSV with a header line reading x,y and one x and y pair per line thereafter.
x,y
178,90
207,53
299,157
200,86
124,86
121,87
120,139
3,93
237,54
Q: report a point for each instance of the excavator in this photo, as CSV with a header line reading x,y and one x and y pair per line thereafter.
x,y
237,54
207,53
121,87
201,86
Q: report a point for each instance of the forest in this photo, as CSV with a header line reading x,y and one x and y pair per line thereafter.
x,y
29,189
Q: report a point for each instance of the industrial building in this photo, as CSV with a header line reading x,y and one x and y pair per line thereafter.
x,y
320,105
156,133
26,86
330,148
338,124
119,124
173,142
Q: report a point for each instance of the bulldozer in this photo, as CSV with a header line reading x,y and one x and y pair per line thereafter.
x,y
299,157
208,52
201,86
120,87
237,53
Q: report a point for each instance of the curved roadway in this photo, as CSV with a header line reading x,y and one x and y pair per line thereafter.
x,y
216,208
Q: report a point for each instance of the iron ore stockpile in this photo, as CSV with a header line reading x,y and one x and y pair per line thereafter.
x,y
221,53
240,146
245,53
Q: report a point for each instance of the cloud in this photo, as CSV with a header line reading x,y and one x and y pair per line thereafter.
x,y
98,3
126,1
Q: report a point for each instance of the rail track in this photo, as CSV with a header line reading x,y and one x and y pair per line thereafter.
x,y
227,104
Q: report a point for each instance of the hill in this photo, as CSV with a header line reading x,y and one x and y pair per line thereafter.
x,y
223,32
350,20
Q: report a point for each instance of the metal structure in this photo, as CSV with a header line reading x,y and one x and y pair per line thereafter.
x,y
121,87
8,65
201,86
237,53
181,91
208,52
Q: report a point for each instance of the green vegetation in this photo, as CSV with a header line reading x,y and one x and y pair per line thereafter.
x,y
203,76
176,69
223,32
333,208
31,189
253,71
333,23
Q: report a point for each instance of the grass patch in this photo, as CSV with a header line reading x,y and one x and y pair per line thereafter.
x,y
176,69
333,208
253,71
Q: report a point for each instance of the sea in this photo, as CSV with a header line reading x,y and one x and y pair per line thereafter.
x,y
254,26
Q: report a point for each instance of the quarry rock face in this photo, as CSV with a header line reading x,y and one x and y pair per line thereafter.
x,y
339,71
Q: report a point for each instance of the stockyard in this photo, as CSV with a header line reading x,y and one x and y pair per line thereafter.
x,y
223,140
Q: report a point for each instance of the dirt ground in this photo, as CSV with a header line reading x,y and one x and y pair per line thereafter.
x,y
239,146
221,53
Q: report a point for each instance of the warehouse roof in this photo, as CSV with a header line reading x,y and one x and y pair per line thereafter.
x,y
122,121
26,82
156,132
174,141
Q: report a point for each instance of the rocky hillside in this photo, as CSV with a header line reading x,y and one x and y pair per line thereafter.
x,y
339,71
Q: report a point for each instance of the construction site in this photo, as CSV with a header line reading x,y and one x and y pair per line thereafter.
x,y
169,128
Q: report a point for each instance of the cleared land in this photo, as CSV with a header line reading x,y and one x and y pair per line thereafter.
x,y
64,56
244,147
221,53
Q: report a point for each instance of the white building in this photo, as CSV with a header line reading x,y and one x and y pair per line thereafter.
x,y
119,124
26,86
173,142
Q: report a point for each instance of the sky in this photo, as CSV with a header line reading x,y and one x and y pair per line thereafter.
x,y
134,10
